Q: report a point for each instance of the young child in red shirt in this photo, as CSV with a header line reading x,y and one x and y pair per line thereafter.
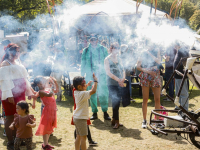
x,y
24,124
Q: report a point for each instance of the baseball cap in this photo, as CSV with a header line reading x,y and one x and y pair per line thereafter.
x,y
93,36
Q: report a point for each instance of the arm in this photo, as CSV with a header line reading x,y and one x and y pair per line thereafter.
x,y
89,83
94,88
33,105
31,125
57,88
107,69
12,126
139,67
112,76
156,59
5,63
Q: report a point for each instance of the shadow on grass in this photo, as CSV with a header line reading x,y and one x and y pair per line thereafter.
x,y
92,147
123,131
24,147
171,137
55,141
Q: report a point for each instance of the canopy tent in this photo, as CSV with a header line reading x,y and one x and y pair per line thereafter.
x,y
110,7
98,15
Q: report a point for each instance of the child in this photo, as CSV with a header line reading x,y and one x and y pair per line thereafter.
x,y
91,142
48,119
24,124
81,113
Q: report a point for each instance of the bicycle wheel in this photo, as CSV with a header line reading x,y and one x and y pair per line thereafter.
x,y
195,139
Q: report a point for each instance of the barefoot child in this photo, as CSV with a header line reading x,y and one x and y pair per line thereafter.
x,y
81,113
24,124
48,119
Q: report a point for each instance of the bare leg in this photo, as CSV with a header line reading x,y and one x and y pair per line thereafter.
x,y
145,94
156,92
46,139
77,142
83,142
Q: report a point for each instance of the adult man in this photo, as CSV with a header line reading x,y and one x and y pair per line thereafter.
x,y
169,60
182,52
92,61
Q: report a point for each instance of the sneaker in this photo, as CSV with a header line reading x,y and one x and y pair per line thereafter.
x,y
176,108
51,146
106,116
144,124
47,147
94,116
166,99
4,133
160,125
92,143
10,145
1,121
132,100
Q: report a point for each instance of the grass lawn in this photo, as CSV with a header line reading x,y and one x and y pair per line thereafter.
x,y
129,137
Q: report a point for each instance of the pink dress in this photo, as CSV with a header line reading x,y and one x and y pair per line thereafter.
x,y
48,119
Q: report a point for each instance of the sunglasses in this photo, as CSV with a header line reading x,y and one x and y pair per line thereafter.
x,y
92,40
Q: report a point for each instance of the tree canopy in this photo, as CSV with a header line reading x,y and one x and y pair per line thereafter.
x,y
189,10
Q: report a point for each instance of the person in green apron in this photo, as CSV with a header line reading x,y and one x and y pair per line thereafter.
x,y
92,61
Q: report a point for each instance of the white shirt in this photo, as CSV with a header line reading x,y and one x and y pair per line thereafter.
x,y
81,100
7,75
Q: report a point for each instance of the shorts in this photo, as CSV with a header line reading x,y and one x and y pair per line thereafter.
x,y
150,81
81,126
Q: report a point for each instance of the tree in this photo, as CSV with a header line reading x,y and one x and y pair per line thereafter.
x,y
194,21
187,10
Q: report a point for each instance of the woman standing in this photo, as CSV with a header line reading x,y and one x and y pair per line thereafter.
x,y
115,80
13,87
149,77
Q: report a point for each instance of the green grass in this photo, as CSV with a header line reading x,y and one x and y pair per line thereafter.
x,y
129,137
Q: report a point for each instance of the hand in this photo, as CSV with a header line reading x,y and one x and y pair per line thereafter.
x,y
28,125
94,77
121,82
33,105
29,97
11,127
89,83
11,100
52,78
167,58
152,73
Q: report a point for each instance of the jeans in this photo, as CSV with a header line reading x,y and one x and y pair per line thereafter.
x,y
183,98
129,80
115,95
168,74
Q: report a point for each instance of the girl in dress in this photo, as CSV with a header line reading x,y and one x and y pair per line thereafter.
x,y
24,123
48,119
